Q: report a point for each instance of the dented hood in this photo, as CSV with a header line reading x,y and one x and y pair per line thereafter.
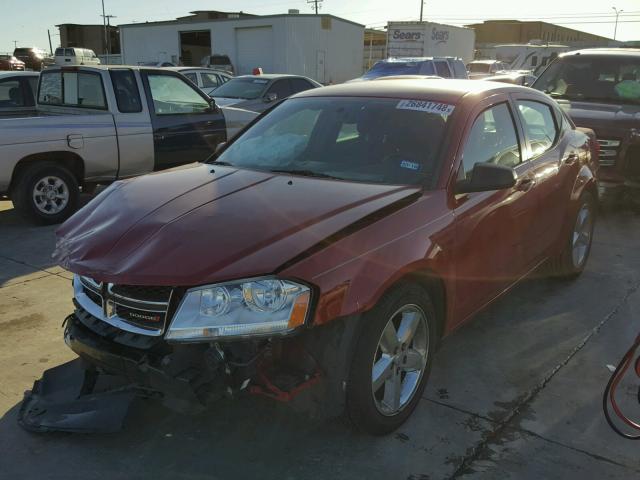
x,y
209,223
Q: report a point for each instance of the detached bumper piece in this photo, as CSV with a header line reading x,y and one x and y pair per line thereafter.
x,y
57,402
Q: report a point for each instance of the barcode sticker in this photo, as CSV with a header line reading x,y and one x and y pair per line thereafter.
x,y
426,106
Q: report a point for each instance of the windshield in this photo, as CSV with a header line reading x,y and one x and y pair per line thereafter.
x,y
388,141
479,67
246,88
387,69
599,78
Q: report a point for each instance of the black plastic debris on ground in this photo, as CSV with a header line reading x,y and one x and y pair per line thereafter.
x,y
69,398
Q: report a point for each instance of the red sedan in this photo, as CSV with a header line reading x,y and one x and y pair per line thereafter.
x,y
329,246
9,62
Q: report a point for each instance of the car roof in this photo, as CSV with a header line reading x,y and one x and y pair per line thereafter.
x,y
487,61
18,74
632,52
415,59
197,69
438,90
271,76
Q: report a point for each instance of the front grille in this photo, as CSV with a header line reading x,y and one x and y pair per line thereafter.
x,y
150,294
143,307
609,149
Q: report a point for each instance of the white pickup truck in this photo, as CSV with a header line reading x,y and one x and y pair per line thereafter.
x,y
97,124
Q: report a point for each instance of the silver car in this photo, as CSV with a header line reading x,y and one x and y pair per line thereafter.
x,y
207,79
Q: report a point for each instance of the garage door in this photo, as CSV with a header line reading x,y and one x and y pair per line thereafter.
x,y
255,49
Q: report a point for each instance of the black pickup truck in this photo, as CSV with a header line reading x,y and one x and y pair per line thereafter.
x,y
600,89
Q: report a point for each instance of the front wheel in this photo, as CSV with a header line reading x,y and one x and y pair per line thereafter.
x,y
46,193
573,259
392,360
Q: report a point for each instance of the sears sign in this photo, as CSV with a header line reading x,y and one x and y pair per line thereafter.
x,y
406,36
439,36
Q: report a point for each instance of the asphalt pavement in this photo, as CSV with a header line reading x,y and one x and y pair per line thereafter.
x,y
514,394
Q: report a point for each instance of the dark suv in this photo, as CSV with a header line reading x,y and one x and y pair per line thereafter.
x,y
34,58
445,67
600,89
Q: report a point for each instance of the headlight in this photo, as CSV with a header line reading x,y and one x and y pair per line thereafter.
x,y
261,306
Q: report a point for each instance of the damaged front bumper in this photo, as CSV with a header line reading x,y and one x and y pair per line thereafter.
x,y
93,392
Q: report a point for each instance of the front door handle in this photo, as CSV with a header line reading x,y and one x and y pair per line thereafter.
x,y
525,184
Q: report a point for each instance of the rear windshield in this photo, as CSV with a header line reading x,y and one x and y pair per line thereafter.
x,y
596,78
73,89
387,141
387,69
245,88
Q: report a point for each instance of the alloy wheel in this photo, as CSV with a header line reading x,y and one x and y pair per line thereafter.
x,y
50,195
582,233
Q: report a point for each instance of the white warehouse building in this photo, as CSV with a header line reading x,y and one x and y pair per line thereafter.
x,y
323,47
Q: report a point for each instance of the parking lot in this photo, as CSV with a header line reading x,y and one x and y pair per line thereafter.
x,y
515,394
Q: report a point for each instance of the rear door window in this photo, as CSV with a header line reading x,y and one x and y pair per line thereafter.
x,y
300,85
126,90
427,68
209,80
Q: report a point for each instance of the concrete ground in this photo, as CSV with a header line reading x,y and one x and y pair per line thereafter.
x,y
514,394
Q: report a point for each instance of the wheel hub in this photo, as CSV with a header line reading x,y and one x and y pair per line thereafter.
x,y
400,360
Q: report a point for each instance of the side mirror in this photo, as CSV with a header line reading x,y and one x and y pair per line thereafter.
x,y
486,177
270,97
219,147
213,107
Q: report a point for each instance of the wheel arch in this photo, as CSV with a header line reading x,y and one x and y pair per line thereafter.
x,y
72,161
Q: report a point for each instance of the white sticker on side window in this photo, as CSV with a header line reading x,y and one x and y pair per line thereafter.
x,y
426,106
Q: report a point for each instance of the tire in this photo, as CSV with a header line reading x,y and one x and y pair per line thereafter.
x,y
47,178
367,405
566,264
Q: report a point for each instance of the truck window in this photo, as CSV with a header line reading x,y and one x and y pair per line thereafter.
x,y
173,95
11,94
442,69
458,69
427,68
73,89
126,90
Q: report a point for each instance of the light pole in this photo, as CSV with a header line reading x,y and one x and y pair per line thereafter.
x,y
421,8
615,29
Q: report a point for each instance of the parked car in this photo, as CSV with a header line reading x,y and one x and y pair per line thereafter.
x,y
327,248
219,62
478,69
600,89
17,92
76,56
515,78
106,123
156,64
445,67
206,79
9,62
258,92
34,58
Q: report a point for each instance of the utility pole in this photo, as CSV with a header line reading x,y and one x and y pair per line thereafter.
x,y
104,25
50,46
421,8
615,29
316,3
108,30
15,44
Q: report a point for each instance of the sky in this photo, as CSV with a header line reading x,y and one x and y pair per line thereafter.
x,y
27,21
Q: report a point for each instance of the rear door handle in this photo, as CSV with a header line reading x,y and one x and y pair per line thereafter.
x,y
525,184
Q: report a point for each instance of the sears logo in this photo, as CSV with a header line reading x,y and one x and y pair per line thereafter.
x,y
408,36
441,36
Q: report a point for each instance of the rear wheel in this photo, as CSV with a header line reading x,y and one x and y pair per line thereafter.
x,y
392,360
46,193
573,259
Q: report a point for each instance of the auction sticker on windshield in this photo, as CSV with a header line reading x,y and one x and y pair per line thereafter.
x,y
425,106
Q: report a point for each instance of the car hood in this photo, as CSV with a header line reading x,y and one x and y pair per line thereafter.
x,y
604,118
206,223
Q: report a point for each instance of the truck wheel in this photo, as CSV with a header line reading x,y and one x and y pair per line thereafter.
x,y
571,262
392,360
46,193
